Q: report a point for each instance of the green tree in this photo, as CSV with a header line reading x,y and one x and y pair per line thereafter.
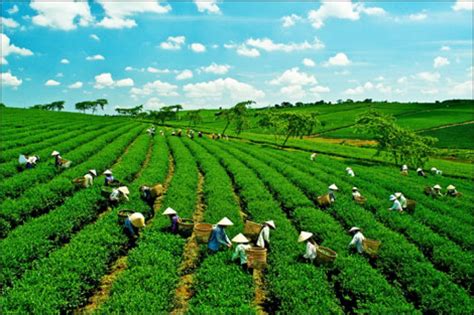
x,y
403,146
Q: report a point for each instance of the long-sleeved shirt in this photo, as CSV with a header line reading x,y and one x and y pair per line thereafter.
x,y
264,236
310,251
332,196
89,180
357,241
174,223
240,253
356,194
403,201
396,205
130,229
218,238
350,173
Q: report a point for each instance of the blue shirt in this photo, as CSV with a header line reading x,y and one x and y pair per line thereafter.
x,y
217,238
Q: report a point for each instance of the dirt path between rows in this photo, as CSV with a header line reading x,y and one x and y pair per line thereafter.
x,y
120,264
191,253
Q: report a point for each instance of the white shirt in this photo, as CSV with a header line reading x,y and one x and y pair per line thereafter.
x,y
350,173
357,241
356,194
89,180
310,251
263,236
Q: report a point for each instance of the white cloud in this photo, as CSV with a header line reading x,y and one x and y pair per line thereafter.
x,y
7,22
7,79
95,58
268,45
464,89
198,48
215,68
95,37
445,48
247,52
157,87
52,83
463,5
184,75
429,91
118,13
155,70
223,89
340,59
439,62
320,89
309,62
64,61
290,20
76,85
294,77
417,16
173,43
61,15
104,80
209,6
10,49
428,76
342,9
13,9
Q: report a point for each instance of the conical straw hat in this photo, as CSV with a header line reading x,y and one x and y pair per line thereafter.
x,y
304,236
451,187
108,172
333,187
93,172
55,153
240,238
169,211
124,190
137,219
225,222
271,223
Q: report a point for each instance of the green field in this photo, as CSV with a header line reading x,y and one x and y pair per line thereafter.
x,y
63,251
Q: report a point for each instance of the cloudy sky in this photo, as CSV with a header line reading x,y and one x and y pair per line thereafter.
x,y
216,53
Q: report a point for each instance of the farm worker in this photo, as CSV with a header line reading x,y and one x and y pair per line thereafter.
x,y
436,171
89,178
218,236
355,193
350,172
263,239
200,134
404,169
437,191
452,191
402,199
109,178
313,156
311,245
174,219
357,239
420,172
332,189
119,194
396,204
58,160
243,245
133,223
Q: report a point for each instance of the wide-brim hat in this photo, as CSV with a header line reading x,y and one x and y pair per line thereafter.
x,y
55,153
108,172
354,229
437,186
451,187
169,211
304,236
124,190
240,238
333,187
355,188
392,197
225,222
398,194
137,219
93,172
271,223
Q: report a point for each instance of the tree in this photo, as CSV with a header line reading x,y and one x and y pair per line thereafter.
x,y
289,124
402,145
194,117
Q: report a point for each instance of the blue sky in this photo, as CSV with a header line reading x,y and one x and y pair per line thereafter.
x,y
216,53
